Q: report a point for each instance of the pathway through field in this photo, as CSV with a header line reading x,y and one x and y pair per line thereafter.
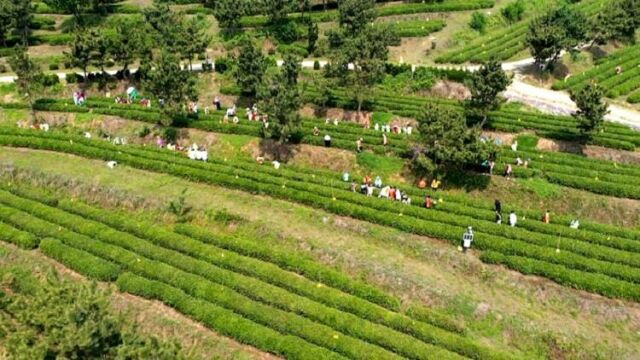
x,y
559,102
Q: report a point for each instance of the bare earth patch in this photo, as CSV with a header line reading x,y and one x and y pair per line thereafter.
x,y
317,157
449,90
619,156
559,146
504,137
46,50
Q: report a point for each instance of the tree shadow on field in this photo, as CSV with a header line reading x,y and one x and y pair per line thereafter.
x,y
559,71
244,101
597,52
320,112
466,180
272,150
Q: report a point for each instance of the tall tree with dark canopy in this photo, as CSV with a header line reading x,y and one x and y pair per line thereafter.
x,y
166,80
355,15
100,48
81,51
29,80
561,29
359,62
277,10
280,99
619,20
168,26
228,12
446,142
6,20
251,66
313,34
303,6
194,38
485,85
125,46
74,7
290,69
591,109
23,16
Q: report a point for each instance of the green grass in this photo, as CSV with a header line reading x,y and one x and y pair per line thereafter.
x,y
382,118
527,142
236,141
385,166
9,117
541,188
7,89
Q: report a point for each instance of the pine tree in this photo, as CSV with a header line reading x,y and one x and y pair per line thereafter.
x,y
29,80
166,80
485,85
251,67
591,109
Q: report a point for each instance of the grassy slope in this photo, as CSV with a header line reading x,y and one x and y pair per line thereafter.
x,y
153,318
528,312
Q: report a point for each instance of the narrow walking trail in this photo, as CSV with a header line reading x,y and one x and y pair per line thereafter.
x,y
559,102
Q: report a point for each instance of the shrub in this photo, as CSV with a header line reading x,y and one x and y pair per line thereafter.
x,y
222,65
50,79
418,28
207,66
514,11
230,260
381,118
54,66
632,99
478,22
231,90
286,32
170,134
3,68
295,49
144,132
316,65
73,78
227,218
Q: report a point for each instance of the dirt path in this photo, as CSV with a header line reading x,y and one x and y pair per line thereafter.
x,y
550,101
559,102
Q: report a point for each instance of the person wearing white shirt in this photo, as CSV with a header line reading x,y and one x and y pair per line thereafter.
x,y
513,219
327,140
